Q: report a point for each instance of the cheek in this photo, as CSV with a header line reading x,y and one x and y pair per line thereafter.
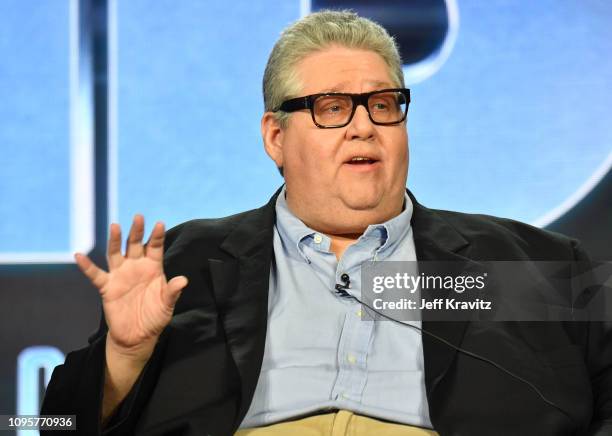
x,y
399,156
300,159
311,156
399,150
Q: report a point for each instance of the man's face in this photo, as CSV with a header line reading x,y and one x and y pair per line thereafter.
x,y
323,188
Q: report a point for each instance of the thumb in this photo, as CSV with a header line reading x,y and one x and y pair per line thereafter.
x,y
173,291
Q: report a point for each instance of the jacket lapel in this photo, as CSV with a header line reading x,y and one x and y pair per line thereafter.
x,y
436,240
240,286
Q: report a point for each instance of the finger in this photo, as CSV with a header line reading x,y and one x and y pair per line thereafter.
x,y
155,246
173,291
134,247
97,276
113,252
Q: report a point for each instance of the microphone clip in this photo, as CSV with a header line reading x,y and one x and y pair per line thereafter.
x,y
341,289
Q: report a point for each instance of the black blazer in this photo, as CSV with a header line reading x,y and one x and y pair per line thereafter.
x,y
202,375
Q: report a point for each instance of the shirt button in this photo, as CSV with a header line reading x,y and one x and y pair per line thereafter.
x,y
352,359
359,313
318,238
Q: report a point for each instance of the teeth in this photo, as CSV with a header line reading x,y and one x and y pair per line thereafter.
x,y
358,158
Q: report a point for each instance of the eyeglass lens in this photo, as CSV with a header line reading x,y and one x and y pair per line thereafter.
x,y
384,107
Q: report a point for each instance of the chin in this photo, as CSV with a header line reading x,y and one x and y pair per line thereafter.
x,y
372,203
361,196
363,202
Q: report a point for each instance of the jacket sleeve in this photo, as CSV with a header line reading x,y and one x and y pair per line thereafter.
x,y
76,388
600,369
599,358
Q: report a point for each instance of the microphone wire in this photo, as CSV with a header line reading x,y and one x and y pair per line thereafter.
x,y
341,291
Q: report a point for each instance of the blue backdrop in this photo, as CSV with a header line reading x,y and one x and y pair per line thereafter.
x,y
113,107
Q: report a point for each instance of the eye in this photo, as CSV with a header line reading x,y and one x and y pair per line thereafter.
x,y
379,106
384,103
332,106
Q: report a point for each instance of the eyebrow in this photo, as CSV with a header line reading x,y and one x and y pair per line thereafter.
x,y
339,86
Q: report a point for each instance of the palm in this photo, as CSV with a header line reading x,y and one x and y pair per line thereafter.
x,y
137,299
132,301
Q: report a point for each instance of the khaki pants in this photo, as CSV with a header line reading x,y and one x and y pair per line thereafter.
x,y
341,423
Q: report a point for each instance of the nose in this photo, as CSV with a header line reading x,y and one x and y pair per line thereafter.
x,y
360,127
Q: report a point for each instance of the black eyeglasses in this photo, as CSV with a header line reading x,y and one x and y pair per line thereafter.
x,y
336,109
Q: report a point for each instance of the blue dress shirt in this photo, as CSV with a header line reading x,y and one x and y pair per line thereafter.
x,y
320,354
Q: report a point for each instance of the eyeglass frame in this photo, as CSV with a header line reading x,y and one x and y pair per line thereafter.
x,y
307,102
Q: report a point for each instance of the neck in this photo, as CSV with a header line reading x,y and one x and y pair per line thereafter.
x,y
347,225
339,243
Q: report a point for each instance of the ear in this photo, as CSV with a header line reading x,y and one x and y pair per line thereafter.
x,y
272,135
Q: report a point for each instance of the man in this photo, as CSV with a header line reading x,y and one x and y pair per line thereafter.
x,y
254,331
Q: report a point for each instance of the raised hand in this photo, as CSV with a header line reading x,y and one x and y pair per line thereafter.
x,y
137,299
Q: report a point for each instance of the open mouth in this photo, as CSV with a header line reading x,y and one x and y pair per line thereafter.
x,y
359,160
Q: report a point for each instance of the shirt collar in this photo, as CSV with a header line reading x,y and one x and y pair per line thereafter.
x,y
294,233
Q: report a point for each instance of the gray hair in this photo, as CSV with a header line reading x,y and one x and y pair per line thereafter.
x,y
316,32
